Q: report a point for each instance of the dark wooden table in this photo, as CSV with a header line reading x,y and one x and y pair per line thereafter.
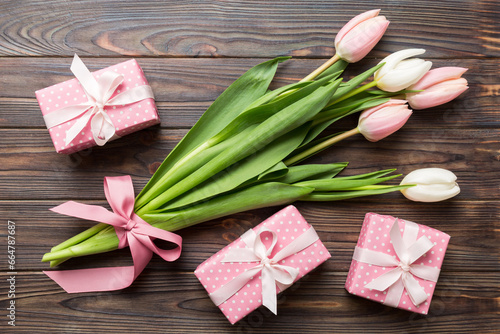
x,y
190,52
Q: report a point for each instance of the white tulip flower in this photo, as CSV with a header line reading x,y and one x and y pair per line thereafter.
x,y
399,73
432,185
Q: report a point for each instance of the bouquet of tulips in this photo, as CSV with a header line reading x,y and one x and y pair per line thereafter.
x,y
245,151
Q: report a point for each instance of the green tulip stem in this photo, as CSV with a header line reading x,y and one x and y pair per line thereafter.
x,y
321,69
321,146
80,237
354,92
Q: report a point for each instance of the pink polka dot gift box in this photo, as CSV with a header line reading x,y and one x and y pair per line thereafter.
x,y
94,108
397,262
263,262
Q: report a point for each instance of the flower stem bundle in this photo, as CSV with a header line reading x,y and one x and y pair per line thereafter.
x,y
242,155
245,151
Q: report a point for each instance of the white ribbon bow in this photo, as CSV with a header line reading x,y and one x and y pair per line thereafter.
x,y
408,249
99,94
273,274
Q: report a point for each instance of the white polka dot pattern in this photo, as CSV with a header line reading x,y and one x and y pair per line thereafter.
x,y
213,274
127,119
374,235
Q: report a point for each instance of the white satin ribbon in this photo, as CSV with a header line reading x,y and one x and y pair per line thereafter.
x,y
408,249
99,94
273,274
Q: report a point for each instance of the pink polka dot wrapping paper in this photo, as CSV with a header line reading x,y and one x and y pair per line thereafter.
x,y
126,118
375,236
288,224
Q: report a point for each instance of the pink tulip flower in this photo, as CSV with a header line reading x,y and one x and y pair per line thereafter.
x,y
359,35
381,121
439,86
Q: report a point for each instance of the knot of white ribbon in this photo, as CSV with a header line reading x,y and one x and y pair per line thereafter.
x,y
99,94
272,273
408,249
404,267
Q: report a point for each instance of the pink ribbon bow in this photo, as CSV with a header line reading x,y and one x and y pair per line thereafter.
x,y
99,94
408,249
131,230
273,274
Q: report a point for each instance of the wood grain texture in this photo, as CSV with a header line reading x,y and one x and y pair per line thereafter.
x,y
212,28
180,304
190,52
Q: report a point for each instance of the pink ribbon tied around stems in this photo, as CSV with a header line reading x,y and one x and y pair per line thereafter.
x,y
273,274
99,94
131,230
408,249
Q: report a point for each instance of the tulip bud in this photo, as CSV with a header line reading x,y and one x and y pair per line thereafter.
x,y
432,185
381,121
440,85
359,35
399,73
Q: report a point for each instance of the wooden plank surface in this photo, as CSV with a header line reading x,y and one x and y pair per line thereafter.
x,y
448,29
190,52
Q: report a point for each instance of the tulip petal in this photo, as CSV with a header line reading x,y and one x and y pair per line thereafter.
x,y
438,94
422,193
391,102
403,76
429,176
409,64
354,22
377,123
393,59
438,75
358,42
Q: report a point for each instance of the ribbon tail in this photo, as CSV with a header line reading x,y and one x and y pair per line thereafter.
x,y
95,279
394,294
141,254
78,126
102,128
86,79
269,298
104,279
415,291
